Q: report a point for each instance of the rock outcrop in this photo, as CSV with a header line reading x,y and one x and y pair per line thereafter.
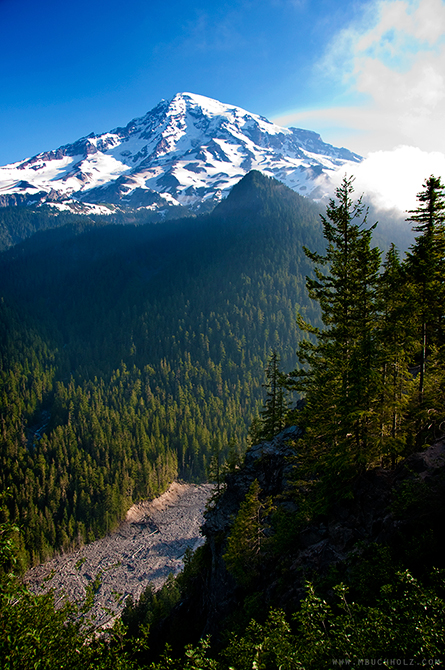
x,y
272,464
388,507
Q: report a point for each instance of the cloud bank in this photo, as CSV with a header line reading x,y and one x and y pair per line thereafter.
x,y
393,61
391,66
392,179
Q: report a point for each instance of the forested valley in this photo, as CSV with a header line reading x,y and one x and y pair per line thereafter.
x,y
131,354
135,354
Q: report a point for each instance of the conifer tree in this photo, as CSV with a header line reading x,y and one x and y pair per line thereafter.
x,y
425,268
216,469
272,416
247,538
276,405
395,351
339,380
234,456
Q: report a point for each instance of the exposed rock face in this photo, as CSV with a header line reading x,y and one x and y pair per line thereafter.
x,y
388,507
271,463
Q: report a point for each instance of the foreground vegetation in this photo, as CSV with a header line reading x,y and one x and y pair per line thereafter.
x,y
373,379
404,623
374,375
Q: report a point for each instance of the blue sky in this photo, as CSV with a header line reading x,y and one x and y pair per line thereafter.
x,y
366,74
91,65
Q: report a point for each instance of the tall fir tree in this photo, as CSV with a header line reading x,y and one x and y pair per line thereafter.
x,y
272,417
425,268
216,468
338,376
247,539
425,271
395,347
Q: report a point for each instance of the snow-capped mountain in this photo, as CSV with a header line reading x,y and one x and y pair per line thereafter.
x,y
188,152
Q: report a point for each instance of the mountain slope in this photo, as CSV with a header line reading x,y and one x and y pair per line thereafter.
x,y
128,353
383,545
186,152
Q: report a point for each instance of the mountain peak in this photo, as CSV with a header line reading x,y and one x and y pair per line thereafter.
x,y
188,152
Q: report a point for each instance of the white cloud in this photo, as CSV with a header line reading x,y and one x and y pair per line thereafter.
x,y
398,20
392,179
394,59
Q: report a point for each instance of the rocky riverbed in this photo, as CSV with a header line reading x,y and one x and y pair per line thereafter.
x,y
147,547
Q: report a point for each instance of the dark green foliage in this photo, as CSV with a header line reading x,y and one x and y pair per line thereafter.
x,y
270,645
247,540
19,223
195,658
8,544
381,331
425,267
35,634
412,498
135,349
216,468
101,451
360,409
395,352
410,332
151,608
405,622
373,567
339,381
171,613
430,214
276,405
129,355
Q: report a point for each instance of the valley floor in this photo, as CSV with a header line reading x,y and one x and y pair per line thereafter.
x,y
147,547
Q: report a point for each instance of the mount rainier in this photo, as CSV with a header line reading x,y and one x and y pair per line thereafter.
x,y
187,152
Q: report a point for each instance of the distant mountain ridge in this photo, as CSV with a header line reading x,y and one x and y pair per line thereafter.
x,y
185,153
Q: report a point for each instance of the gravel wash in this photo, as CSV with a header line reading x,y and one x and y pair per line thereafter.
x,y
147,547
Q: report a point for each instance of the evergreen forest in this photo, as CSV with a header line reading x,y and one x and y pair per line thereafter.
x,y
132,354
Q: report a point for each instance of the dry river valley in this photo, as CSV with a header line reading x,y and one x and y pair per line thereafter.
x,y
147,547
